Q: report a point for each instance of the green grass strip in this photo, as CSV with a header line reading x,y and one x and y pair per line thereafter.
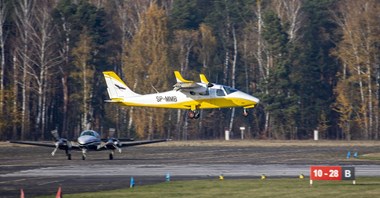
x,y
289,187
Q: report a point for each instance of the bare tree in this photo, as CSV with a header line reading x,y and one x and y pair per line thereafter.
x,y
290,13
128,20
3,14
23,14
359,24
45,59
85,74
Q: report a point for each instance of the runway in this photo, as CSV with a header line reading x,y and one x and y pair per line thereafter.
x,y
194,170
38,173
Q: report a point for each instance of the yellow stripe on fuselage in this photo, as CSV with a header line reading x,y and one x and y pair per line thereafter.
x,y
199,104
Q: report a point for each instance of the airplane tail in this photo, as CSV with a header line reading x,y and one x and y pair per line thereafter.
x,y
117,89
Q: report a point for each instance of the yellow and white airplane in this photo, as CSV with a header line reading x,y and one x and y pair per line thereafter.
x,y
185,95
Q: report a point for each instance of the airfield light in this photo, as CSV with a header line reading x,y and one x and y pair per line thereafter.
x,y
132,183
167,177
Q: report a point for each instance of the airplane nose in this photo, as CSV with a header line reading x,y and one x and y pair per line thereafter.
x,y
82,140
254,99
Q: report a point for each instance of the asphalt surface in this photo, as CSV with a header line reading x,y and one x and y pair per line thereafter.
x,y
38,173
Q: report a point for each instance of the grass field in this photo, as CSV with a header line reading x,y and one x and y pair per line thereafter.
x,y
365,187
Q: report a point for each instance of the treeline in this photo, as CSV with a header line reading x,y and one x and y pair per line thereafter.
x,y
314,64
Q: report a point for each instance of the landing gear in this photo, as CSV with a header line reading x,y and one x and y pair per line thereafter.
x,y
193,114
245,112
84,154
68,154
111,156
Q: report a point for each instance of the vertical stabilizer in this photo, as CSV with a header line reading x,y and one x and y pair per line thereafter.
x,y
203,79
180,79
117,89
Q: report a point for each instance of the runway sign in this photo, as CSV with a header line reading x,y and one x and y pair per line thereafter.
x,y
331,173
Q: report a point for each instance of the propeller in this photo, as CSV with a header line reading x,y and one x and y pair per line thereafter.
x,y
112,143
61,143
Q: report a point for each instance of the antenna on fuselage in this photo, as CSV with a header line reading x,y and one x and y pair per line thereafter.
x,y
154,88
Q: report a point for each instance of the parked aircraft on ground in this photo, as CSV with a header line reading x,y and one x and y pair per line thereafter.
x,y
88,140
185,95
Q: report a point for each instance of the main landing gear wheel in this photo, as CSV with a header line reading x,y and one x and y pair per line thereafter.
x,y
111,156
83,157
68,154
193,114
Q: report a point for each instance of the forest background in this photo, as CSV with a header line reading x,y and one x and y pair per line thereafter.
x,y
314,64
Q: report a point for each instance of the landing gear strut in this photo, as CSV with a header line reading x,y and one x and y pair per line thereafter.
x,y
111,155
84,154
193,114
245,112
68,154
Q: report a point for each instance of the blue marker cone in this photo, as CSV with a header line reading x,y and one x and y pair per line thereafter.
x,y
356,155
132,183
348,155
167,177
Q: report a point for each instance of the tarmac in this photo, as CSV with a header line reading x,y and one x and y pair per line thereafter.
x,y
34,170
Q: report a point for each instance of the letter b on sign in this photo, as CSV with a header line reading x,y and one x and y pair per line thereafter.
x,y
348,173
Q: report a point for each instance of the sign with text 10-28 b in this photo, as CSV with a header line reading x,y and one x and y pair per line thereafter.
x,y
332,173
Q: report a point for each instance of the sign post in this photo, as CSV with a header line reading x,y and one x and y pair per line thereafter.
x,y
332,173
242,132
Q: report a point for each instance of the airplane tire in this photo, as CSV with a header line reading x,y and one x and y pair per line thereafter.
x,y
69,156
191,114
111,156
83,158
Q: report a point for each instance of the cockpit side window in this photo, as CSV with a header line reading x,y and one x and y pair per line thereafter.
x,y
229,90
206,93
220,92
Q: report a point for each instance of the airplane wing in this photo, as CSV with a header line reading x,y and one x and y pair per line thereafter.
x,y
44,144
136,143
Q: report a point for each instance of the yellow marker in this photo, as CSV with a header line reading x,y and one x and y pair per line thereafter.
x,y
302,176
263,176
221,177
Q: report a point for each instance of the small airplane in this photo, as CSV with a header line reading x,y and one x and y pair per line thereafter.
x,y
88,140
186,94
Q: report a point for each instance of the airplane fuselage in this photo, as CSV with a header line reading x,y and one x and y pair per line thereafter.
x,y
214,97
89,140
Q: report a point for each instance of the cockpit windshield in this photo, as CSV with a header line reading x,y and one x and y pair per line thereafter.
x,y
229,90
88,132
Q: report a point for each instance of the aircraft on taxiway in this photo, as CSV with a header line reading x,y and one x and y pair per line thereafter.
x,y
89,140
185,95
